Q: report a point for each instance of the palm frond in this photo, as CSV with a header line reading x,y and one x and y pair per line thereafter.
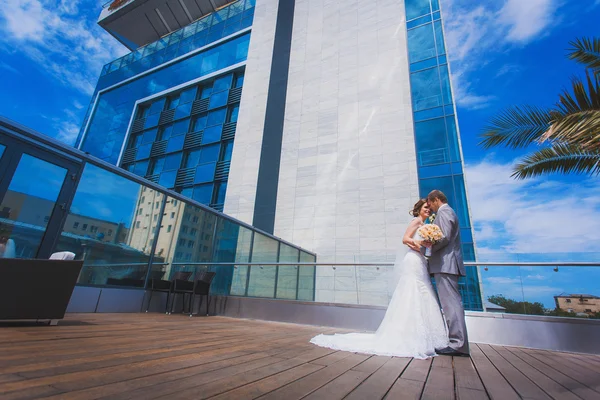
x,y
518,127
579,123
560,158
586,51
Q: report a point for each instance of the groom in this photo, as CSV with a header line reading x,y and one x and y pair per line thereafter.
x,y
446,265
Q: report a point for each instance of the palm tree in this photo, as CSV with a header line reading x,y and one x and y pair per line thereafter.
x,y
567,134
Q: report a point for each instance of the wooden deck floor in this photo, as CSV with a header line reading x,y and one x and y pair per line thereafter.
x,y
151,356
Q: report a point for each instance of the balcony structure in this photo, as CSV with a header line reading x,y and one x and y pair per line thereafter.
x,y
148,356
136,23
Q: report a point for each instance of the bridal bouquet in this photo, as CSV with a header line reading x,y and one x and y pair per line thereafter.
x,y
430,233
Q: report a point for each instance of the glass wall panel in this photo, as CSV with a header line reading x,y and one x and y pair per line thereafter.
x,y
27,206
111,226
262,278
186,239
2,147
416,8
225,249
439,38
421,43
306,278
431,142
426,90
287,275
243,254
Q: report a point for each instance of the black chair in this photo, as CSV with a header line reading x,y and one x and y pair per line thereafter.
x,y
202,288
180,285
160,285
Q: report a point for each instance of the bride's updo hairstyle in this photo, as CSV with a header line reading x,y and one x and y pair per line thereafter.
x,y
417,208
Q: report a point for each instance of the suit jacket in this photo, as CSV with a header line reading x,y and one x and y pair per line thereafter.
x,y
447,256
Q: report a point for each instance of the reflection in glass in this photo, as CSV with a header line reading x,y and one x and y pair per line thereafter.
x,y
27,206
306,278
287,275
109,227
262,278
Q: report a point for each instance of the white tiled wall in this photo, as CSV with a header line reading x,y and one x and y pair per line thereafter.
x,y
243,173
348,168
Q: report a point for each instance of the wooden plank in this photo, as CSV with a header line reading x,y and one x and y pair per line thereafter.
x,y
380,382
548,385
269,384
496,386
523,385
332,358
372,364
339,387
417,370
569,383
312,382
440,381
573,371
233,381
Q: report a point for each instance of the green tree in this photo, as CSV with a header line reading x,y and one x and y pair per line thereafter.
x,y
518,307
566,136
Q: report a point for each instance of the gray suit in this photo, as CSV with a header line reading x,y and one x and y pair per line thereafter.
x,y
446,265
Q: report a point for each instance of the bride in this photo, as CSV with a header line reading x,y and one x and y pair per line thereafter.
x,y
413,325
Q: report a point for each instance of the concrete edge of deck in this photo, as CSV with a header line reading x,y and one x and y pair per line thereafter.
x,y
531,331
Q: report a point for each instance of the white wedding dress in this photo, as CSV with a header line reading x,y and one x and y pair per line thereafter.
x,y
413,325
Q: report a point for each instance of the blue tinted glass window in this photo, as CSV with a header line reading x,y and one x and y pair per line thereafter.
x,y
149,136
199,123
446,88
221,191
416,8
218,100
172,161
429,114
239,80
140,168
175,143
164,132
439,38
180,127
454,147
426,90
157,166
143,151
183,111
187,192
461,201
167,179
435,5
206,91
203,193
151,121
233,113
172,101
212,134
421,43
216,117
205,173
157,106
135,141
188,95
222,83
210,153
227,150
2,147
192,158
430,140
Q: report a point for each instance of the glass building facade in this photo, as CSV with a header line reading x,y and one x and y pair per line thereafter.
x,y
168,110
439,158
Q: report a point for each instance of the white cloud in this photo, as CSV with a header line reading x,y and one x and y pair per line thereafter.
x,y
9,68
477,31
65,44
532,216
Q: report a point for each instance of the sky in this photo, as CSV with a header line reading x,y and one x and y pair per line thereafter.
x,y
502,53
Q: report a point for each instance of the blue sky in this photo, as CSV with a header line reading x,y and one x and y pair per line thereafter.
x,y
502,52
